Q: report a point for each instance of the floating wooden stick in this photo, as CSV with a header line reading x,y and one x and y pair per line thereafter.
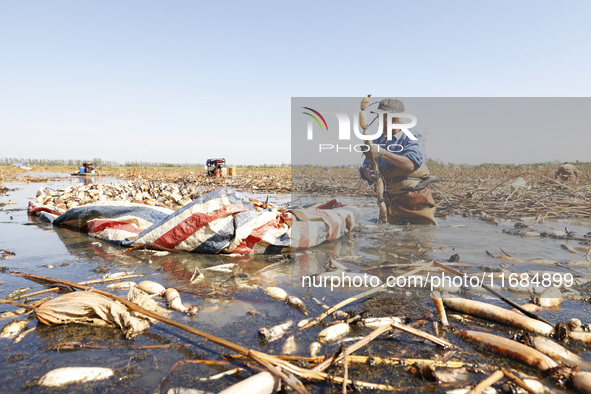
x,y
486,383
88,282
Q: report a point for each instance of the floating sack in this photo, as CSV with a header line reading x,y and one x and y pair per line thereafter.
x,y
86,307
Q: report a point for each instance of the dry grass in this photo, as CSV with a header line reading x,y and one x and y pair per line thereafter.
x,y
470,191
9,172
255,179
464,191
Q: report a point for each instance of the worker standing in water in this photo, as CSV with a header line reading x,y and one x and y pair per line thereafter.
x,y
401,163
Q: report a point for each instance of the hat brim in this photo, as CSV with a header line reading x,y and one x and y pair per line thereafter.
x,y
381,111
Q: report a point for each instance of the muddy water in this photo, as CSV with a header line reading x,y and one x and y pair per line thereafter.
x,y
235,306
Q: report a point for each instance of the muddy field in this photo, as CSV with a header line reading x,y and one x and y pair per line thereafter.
x,y
256,179
486,228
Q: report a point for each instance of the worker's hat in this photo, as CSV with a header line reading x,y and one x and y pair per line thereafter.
x,y
389,105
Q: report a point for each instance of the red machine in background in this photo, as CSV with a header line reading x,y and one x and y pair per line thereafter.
x,y
215,167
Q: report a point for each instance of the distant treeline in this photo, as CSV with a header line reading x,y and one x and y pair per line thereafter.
x,y
109,163
440,164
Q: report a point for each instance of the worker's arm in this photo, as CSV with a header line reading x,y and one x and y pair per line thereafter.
x,y
402,162
399,161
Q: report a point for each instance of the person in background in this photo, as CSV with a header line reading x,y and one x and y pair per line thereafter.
x,y
402,166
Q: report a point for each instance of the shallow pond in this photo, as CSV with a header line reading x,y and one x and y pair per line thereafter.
x,y
235,308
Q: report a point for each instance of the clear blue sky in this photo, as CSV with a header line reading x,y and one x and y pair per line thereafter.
x,y
179,81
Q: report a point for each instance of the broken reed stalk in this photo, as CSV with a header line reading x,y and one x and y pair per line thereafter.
x,y
129,249
349,300
80,346
220,375
495,293
486,383
26,306
346,370
260,357
354,359
421,334
180,363
376,333
88,282
518,381
353,348
318,375
342,304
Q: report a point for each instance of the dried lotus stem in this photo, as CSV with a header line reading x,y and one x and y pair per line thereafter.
x,y
374,360
121,285
88,282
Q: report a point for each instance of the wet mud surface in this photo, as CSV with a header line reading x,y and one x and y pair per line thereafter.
x,y
233,305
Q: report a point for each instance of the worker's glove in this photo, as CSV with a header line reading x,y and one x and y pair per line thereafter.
x,y
377,150
370,174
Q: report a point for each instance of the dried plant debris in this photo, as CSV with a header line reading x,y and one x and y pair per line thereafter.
x,y
90,308
6,254
13,329
491,194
